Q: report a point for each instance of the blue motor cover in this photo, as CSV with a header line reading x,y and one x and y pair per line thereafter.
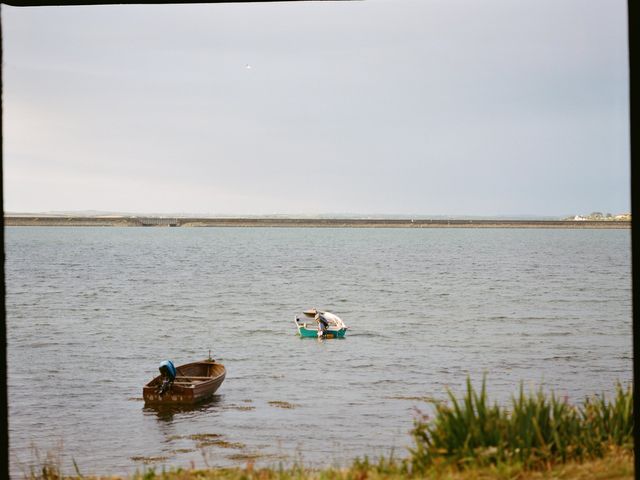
x,y
168,369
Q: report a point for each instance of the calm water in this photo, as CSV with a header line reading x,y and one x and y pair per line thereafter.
x,y
91,312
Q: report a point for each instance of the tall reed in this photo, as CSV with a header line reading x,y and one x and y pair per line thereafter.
x,y
537,430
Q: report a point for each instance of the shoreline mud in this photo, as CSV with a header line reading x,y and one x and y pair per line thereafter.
x,y
79,221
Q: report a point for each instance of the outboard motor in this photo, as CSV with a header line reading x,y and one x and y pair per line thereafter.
x,y
168,372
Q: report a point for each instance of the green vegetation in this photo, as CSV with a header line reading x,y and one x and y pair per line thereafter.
x,y
538,437
537,431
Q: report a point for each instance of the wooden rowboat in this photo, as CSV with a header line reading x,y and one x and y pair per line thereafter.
x,y
194,383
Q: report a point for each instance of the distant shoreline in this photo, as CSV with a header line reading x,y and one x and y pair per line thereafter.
x,y
80,221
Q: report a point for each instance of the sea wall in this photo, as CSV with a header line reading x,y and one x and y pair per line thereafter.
x,y
69,221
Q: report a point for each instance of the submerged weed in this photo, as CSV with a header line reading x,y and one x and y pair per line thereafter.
x,y
143,459
242,408
427,399
281,404
244,457
203,436
183,450
220,443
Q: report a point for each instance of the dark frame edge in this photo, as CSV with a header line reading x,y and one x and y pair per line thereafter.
x,y
4,396
635,239
635,211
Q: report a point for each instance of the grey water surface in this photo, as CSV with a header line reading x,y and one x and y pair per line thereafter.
x,y
91,312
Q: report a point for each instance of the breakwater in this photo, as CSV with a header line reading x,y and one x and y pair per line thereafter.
x,y
80,221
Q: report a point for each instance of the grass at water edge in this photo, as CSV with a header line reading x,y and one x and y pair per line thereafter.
x,y
617,465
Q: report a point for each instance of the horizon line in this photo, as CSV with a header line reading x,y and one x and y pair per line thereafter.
x,y
354,215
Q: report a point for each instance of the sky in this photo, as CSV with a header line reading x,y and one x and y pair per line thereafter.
x,y
394,107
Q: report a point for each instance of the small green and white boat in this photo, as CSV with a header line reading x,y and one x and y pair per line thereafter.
x,y
317,324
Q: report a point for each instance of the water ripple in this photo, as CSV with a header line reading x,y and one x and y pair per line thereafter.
x,y
92,312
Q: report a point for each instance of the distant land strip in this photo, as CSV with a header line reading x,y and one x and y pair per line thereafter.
x,y
79,221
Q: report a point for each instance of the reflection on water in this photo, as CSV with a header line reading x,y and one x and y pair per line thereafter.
x,y
166,413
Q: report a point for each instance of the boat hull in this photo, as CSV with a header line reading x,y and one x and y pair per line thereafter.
x,y
309,332
195,383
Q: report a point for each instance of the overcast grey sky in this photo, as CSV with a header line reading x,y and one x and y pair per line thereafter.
x,y
442,107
